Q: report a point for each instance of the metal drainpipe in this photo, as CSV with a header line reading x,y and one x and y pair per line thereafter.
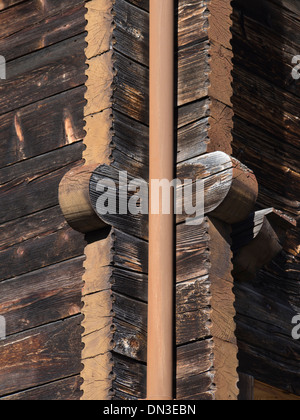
x,y
161,227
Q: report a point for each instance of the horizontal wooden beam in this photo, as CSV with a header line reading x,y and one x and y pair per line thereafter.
x,y
230,193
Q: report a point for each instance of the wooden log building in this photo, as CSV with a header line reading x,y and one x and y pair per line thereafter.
x,y
74,106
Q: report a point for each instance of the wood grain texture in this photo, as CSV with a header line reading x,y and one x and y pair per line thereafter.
x,y
62,390
35,357
223,312
96,298
194,375
41,139
45,295
33,25
263,392
26,82
28,180
265,102
221,67
61,124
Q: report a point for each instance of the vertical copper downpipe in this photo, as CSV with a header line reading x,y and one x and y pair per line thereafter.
x,y
161,226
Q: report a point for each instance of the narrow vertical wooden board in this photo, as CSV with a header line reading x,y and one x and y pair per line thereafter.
x,y
97,299
220,135
98,137
220,127
99,27
100,74
97,311
246,387
223,312
220,76
99,84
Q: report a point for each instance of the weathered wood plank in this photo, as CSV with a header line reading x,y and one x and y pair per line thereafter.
x,y
192,112
39,356
277,191
193,85
130,341
195,371
193,325
32,12
263,392
192,140
271,101
192,22
31,226
131,253
129,98
132,31
286,154
131,311
46,295
31,201
277,67
29,197
196,387
43,74
8,3
13,175
278,17
62,390
129,154
266,367
130,378
142,4
130,283
34,25
40,252
60,124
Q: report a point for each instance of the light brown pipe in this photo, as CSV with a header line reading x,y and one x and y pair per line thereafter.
x,y
161,227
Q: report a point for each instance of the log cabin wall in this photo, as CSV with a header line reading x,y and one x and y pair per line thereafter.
x,y
41,257
266,103
115,292
43,106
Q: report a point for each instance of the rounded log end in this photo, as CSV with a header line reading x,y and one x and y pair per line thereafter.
x,y
242,195
74,200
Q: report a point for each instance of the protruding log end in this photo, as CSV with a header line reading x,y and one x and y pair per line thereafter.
x,y
242,196
258,240
75,202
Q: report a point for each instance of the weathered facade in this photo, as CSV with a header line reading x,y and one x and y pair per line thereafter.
x,y
75,105
266,37
42,103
